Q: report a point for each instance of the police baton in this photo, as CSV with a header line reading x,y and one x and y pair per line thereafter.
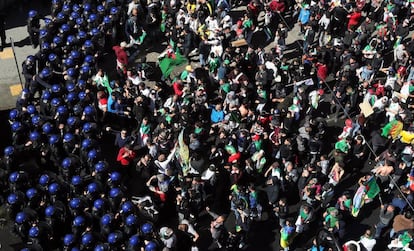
x,y
15,60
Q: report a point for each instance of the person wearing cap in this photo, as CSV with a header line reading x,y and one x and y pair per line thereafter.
x,y
121,57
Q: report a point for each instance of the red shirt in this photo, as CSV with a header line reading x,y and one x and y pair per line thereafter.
x,y
322,71
125,160
121,55
178,89
277,6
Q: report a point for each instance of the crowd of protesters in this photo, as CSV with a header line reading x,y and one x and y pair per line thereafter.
x,y
241,131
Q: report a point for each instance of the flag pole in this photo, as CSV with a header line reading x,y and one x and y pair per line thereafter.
x,y
15,60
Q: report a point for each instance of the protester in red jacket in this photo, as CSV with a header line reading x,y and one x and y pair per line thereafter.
x,y
125,155
121,56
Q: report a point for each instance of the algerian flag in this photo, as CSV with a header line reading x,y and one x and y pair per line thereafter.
x,y
392,128
105,82
168,64
372,188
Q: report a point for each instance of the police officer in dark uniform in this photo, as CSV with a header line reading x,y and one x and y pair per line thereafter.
x,y
29,69
33,27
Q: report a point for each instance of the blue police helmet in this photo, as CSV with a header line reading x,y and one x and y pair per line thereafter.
x,y
100,8
74,15
89,59
56,2
66,8
34,232
75,249
13,177
71,72
88,110
49,211
76,8
114,10
56,88
64,28
76,180
53,139
57,40
100,247
44,179
75,54
98,203
25,249
68,137
86,143
20,217
70,40
71,97
87,127
42,33
115,176
134,241
70,87
69,62
100,166
87,7
16,126
60,16
87,239
84,69
95,31
82,35
13,114
72,120
77,109
92,17
106,219
131,220
92,187
52,57
45,73
47,127
35,135
88,44
47,21
114,192
92,154
107,20
146,228
31,109
8,151
151,246
30,193
30,58
53,188
32,13
46,95
79,21
82,95
113,238
45,46
127,206
66,163
79,221
36,120
12,198
75,203
68,240
62,109
81,83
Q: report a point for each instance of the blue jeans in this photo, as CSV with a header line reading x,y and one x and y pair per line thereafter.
x,y
380,226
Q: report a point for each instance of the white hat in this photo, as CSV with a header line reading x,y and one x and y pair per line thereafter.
x,y
123,44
